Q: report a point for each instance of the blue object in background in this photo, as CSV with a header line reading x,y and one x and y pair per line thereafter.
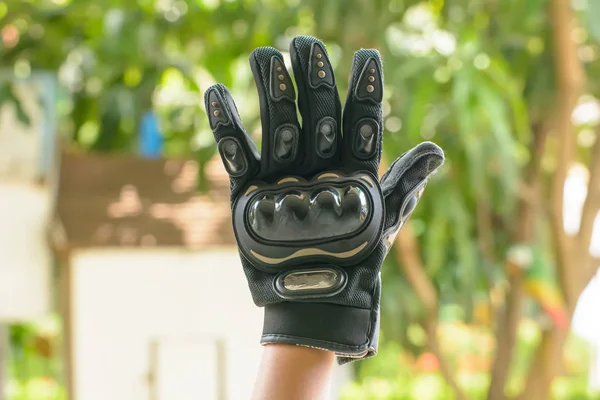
x,y
44,83
150,139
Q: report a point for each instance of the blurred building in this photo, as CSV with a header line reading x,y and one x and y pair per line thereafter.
x,y
156,305
27,172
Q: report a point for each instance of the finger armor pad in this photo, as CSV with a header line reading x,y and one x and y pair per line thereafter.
x,y
332,218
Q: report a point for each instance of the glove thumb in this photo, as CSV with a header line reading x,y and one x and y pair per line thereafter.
x,y
404,182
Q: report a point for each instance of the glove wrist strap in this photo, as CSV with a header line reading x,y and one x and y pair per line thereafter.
x,y
332,327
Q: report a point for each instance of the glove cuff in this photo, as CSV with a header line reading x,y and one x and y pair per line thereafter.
x,y
350,332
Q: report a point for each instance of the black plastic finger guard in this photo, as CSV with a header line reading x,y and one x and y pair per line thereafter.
x,y
332,218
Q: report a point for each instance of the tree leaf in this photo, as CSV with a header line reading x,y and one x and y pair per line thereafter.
x,y
593,16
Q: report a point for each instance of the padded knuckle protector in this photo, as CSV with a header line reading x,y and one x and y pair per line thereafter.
x,y
332,218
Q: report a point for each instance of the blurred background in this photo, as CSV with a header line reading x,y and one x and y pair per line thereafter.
x,y
119,277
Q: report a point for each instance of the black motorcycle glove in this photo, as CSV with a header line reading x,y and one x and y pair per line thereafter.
x,y
312,221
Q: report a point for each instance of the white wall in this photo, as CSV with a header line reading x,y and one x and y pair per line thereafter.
x,y
128,302
25,207
21,144
24,254
24,210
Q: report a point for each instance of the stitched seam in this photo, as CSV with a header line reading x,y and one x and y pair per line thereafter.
x,y
317,341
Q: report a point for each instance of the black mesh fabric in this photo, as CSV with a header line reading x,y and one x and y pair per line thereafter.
x,y
405,174
358,291
273,113
314,104
354,111
323,106
235,130
278,112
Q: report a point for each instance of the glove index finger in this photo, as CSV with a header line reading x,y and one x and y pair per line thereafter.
x,y
363,118
236,149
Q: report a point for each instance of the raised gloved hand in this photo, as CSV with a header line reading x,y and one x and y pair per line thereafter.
x,y
312,221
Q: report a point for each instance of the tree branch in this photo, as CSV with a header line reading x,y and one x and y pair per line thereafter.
x,y
406,251
407,254
430,326
484,229
508,319
545,365
593,267
506,335
570,80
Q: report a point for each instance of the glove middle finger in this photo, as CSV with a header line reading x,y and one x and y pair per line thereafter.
x,y
319,104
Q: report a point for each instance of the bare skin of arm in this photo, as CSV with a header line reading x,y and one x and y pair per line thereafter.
x,y
293,373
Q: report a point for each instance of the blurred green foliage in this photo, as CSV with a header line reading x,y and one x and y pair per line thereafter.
x,y
35,367
397,374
